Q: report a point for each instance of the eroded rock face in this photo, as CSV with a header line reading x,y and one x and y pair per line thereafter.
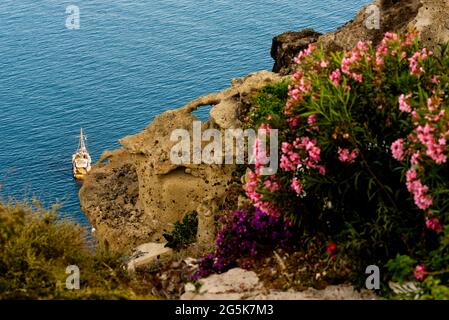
x,y
395,16
429,17
287,45
135,194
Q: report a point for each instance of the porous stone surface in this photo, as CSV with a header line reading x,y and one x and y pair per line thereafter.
x,y
136,193
287,45
429,17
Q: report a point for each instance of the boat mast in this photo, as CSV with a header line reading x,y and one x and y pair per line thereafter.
x,y
82,145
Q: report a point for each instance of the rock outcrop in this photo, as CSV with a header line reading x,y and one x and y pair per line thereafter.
x,y
134,194
287,45
240,284
429,17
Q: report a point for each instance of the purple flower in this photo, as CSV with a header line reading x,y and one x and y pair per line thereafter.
x,y
244,236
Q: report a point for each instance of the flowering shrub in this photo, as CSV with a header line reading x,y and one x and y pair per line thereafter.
x,y
363,152
244,236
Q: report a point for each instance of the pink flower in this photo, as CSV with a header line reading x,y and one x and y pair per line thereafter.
x,y
403,55
272,186
357,77
346,155
418,189
296,185
305,53
420,271
298,75
411,175
346,64
311,119
297,91
397,149
415,159
434,148
403,105
435,79
335,77
322,170
293,122
391,36
256,198
414,62
432,103
324,64
434,224
363,46
301,152
265,127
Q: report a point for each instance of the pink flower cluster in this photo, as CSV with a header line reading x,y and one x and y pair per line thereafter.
x,y
425,145
403,105
434,147
296,185
419,190
434,224
397,149
335,77
271,185
346,155
391,42
416,60
311,121
299,59
351,60
302,151
420,272
253,180
251,187
297,91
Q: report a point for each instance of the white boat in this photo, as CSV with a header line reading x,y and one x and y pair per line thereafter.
x,y
81,160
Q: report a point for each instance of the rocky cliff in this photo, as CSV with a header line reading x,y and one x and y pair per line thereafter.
x,y
134,194
429,17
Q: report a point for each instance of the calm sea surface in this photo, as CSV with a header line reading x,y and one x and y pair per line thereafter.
x,y
129,61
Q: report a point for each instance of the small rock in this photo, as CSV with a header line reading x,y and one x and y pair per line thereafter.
x,y
147,254
230,285
189,287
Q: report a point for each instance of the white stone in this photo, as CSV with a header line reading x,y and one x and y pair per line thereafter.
x,y
239,284
147,254
189,287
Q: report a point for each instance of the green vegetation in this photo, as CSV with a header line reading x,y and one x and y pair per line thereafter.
x,y
184,233
36,249
364,159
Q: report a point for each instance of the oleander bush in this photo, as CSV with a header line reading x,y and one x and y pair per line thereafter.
x,y
35,249
363,157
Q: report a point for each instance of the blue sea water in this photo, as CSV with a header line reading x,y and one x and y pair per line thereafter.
x,y
129,61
